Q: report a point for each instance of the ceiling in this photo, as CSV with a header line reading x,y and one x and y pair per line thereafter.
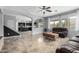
x,y
33,11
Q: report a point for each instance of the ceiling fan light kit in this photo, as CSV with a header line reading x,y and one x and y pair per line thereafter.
x,y
45,9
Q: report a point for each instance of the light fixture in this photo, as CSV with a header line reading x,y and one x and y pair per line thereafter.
x,y
45,9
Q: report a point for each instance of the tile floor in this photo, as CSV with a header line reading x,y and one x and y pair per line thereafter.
x,y
28,43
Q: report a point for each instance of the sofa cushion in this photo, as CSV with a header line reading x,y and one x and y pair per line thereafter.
x,y
63,32
74,39
59,29
75,44
63,50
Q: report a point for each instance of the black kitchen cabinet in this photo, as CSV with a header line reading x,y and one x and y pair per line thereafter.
x,y
25,26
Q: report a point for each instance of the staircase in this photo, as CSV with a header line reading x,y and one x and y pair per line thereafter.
x,y
9,32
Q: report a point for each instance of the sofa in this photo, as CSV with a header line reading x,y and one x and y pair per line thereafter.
x,y
71,47
63,32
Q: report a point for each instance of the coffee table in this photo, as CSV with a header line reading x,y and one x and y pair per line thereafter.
x,y
50,35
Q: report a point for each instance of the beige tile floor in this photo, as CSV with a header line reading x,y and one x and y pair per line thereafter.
x,y
28,43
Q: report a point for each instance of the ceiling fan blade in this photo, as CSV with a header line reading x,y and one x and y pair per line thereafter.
x,y
43,7
49,10
48,7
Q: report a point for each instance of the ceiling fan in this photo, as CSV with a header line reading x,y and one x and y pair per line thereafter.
x,y
45,9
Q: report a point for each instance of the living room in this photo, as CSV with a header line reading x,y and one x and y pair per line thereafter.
x,y
42,29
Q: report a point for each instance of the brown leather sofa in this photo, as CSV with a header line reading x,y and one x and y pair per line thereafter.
x,y
63,32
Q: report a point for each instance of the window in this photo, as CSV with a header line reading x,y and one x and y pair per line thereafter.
x,y
57,23
62,23
52,24
72,22
65,23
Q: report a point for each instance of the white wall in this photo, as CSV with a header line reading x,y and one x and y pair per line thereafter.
x,y
10,21
1,30
77,21
36,30
47,23
1,24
